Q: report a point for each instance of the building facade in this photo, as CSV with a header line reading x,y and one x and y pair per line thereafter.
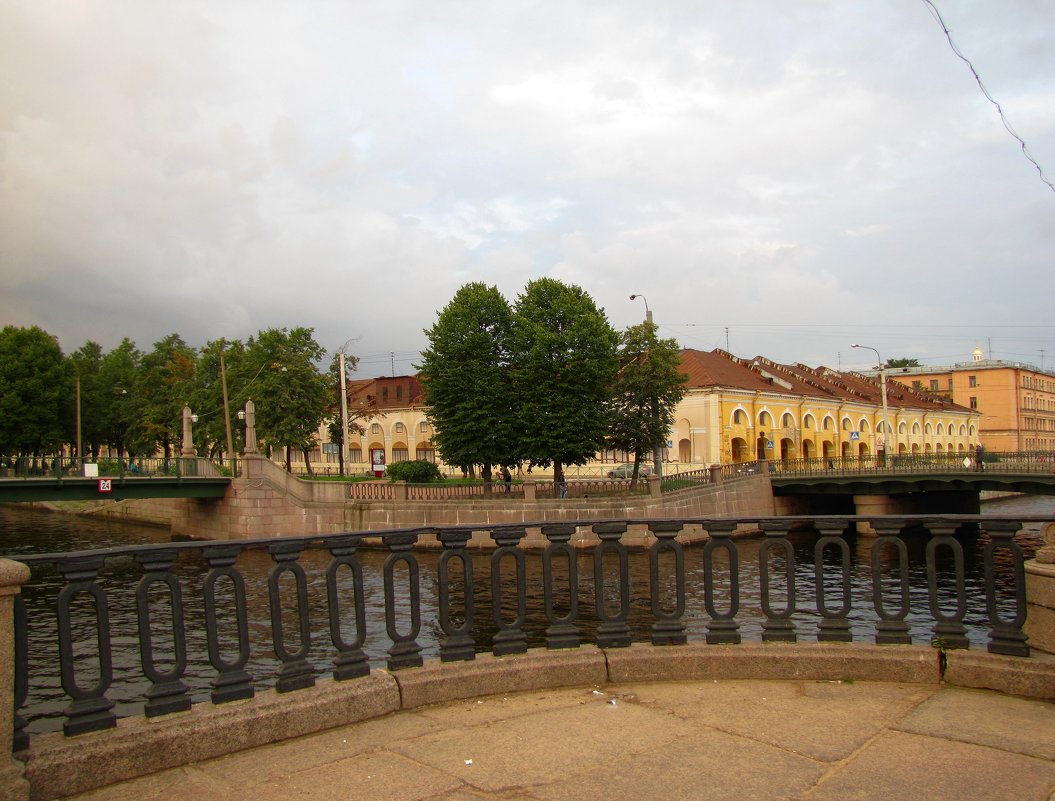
x,y
1015,402
734,410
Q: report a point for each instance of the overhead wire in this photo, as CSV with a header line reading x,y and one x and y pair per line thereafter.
x,y
989,97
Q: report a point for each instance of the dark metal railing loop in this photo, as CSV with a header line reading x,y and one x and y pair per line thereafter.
x,y
835,624
458,645
778,626
296,672
405,651
510,638
613,631
167,691
891,627
1005,636
949,630
669,626
351,661
20,737
89,709
722,627
232,682
561,632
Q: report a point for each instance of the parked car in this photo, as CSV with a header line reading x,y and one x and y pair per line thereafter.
x,y
627,471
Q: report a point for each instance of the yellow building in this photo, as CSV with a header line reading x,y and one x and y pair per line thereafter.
x,y
1015,402
739,410
734,410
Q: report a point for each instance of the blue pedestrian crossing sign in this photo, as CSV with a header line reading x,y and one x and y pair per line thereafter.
x,y
854,436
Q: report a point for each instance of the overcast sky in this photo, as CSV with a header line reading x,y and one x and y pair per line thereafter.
x,y
787,176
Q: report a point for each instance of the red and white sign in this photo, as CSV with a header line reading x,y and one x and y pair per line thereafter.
x,y
106,485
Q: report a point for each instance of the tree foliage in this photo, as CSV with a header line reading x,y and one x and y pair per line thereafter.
x,y
164,387
290,395
35,391
646,391
902,363
564,360
467,382
416,471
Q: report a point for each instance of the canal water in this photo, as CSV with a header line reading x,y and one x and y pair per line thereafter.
x,y
26,531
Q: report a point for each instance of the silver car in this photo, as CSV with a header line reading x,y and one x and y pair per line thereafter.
x,y
627,471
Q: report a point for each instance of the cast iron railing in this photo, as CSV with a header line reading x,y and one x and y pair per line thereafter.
x,y
90,589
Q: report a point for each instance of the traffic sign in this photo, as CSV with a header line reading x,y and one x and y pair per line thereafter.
x,y
854,436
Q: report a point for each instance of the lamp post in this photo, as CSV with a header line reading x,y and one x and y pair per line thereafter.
x,y
657,452
882,384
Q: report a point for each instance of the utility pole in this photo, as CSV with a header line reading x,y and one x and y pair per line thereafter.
x,y
226,409
344,414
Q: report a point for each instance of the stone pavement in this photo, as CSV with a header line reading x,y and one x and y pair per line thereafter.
x,y
700,739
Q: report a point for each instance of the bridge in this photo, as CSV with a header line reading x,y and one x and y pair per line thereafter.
x,y
1031,473
60,479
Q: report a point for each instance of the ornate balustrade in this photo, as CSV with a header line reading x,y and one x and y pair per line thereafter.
x,y
157,628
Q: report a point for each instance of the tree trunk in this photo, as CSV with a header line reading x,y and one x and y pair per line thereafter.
x,y
485,473
307,463
289,459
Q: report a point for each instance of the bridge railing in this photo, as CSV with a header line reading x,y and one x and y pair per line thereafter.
x,y
1017,462
102,634
62,467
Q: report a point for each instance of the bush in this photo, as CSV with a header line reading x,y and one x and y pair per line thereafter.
x,y
419,471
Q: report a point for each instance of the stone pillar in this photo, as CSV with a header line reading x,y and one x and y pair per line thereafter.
x,y
529,490
13,784
399,491
188,436
1040,595
250,429
716,473
654,486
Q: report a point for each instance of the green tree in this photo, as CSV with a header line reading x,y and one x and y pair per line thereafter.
x,y
646,392
35,391
902,363
210,432
564,361
290,394
165,386
467,381
122,411
85,365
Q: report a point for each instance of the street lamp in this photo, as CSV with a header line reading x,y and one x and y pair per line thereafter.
x,y
657,453
882,383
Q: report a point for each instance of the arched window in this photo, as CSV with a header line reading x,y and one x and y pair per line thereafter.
x,y
787,420
829,423
915,428
864,426
764,419
807,421
847,425
739,417
902,428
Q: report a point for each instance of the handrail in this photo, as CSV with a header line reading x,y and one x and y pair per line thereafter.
x,y
420,593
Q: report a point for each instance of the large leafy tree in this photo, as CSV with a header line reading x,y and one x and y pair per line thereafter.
x,y
123,405
35,391
85,365
290,394
210,432
564,361
646,392
467,381
165,386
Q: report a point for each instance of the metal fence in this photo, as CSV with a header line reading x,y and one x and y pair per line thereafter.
x,y
141,618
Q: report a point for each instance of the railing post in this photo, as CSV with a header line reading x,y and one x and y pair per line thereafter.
x,y
561,632
612,630
949,630
716,473
891,627
1005,636
510,638
778,626
13,785
668,628
655,486
459,645
722,627
399,491
834,625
